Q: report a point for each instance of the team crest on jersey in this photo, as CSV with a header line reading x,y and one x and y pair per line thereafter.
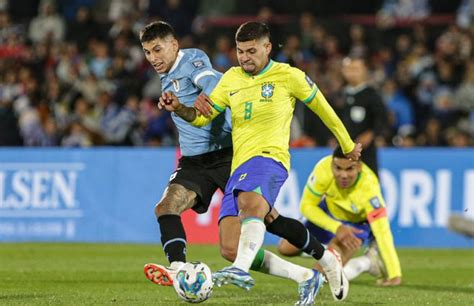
x,y
175,85
267,90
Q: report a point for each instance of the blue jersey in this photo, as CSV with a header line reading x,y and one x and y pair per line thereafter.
x,y
190,75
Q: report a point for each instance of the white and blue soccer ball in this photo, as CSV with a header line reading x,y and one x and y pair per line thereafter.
x,y
193,282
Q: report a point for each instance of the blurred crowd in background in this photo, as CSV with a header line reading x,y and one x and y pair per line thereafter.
x,y
73,73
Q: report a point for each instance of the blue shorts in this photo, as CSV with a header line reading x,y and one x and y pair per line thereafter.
x,y
325,236
260,174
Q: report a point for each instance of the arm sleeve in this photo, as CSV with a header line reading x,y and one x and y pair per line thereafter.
x,y
219,97
311,211
304,89
320,106
202,74
380,227
201,120
207,84
313,192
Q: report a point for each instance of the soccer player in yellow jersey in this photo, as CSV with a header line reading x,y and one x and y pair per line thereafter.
x,y
261,94
343,204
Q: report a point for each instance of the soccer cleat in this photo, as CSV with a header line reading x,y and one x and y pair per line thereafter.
x,y
308,290
233,275
159,274
336,278
377,267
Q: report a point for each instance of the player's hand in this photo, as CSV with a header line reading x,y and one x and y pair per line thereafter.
x,y
346,235
355,153
396,281
203,105
169,101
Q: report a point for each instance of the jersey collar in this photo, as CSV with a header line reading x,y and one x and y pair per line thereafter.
x,y
176,62
269,65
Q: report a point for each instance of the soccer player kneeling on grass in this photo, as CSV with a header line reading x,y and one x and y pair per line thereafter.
x,y
343,204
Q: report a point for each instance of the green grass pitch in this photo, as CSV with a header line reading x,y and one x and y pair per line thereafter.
x,y
112,274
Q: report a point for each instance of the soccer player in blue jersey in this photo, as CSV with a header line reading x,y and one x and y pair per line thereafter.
x,y
261,94
204,167
206,152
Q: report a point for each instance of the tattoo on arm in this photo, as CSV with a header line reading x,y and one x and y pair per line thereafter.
x,y
187,113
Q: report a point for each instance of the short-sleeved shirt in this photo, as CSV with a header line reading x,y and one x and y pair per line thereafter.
x,y
262,108
185,79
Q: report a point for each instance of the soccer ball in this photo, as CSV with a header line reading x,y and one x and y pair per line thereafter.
x,y
193,282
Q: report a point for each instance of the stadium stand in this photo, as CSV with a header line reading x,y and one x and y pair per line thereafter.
x,y
72,73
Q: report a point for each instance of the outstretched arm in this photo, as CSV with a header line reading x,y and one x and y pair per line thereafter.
x,y
170,102
320,106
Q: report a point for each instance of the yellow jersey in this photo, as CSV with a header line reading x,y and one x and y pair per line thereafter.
x,y
262,107
362,202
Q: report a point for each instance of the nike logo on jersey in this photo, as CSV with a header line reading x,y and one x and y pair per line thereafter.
x,y
233,93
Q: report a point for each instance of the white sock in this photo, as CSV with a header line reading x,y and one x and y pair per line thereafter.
x,y
252,233
274,265
328,260
176,265
355,266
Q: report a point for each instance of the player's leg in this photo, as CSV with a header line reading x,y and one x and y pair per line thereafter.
x,y
176,199
287,249
247,191
310,238
300,237
184,191
309,282
370,262
295,234
264,261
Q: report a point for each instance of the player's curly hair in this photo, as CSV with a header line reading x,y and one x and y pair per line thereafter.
x,y
156,29
252,30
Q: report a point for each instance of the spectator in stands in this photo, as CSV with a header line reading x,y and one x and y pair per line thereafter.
x,y
402,10
77,136
82,28
431,135
48,25
358,47
400,111
43,76
224,57
101,60
9,130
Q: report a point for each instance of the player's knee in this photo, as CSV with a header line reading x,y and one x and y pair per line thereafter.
x,y
165,207
252,204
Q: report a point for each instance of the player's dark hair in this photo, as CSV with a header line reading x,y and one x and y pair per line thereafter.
x,y
252,31
338,153
156,29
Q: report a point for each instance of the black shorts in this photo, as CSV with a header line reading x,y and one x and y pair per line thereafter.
x,y
203,174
